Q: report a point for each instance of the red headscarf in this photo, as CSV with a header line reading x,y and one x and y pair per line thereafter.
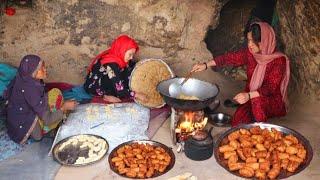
x,y
268,54
116,52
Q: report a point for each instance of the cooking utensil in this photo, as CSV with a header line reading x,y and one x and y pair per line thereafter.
x,y
283,174
206,92
220,119
73,152
175,88
154,143
199,147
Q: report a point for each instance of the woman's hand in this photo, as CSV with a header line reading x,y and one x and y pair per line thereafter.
x,y
199,67
242,98
111,99
69,105
141,96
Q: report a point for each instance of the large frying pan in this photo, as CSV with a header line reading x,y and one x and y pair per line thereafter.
x,y
206,92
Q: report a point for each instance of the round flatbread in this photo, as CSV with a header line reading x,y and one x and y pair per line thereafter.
x,y
146,76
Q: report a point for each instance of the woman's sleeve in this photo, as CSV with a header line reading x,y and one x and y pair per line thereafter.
x,y
114,74
237,58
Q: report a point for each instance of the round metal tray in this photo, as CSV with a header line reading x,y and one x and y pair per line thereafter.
x,y
56,151
154,143
283,174
145,61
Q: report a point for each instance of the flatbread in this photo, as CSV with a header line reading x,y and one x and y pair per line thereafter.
x,y
146,76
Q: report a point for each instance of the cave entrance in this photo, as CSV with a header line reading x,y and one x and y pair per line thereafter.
x,y
234,17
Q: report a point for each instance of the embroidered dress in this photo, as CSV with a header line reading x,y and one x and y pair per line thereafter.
x,y
108,79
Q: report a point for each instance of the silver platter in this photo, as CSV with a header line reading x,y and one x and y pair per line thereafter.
x,y
154,143
75,150
283,174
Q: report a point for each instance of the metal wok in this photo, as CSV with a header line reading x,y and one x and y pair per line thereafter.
x,y
206,92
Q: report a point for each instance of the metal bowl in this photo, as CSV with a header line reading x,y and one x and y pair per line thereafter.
x,y
75,150
283,174
154,143
220,119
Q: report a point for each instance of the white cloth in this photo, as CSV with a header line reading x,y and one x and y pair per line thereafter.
x,y
117,123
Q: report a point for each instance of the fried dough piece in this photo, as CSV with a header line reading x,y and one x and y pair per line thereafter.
x,y
234,135
273,173
234,143
235,166
293,139
246,144
246,172
251,160
233,159
284,163
265,166
228,154
261,175
302,153
226,148
260,147
261,154
283,155
291,150
295,158
244,132
292,166
254,166
255,130
241,155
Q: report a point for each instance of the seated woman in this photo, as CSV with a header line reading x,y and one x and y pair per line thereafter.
x,y
108,73
268,71
31,111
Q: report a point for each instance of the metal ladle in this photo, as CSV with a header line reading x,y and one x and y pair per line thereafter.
x,y
175,88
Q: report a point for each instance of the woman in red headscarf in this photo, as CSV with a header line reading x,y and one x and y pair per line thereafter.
x,y
268,71
108,73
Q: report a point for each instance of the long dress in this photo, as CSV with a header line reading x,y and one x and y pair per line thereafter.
x,y
269,104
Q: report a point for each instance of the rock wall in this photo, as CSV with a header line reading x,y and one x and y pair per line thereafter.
x,y
300,32
67,34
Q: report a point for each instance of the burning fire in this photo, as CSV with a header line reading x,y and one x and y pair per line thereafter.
x,y
191,122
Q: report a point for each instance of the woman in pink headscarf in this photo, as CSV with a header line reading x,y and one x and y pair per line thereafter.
x,y
268,72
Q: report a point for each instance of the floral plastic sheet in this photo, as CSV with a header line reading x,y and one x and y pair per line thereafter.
x,y
117,123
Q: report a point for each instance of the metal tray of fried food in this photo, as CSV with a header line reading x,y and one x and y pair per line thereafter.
x,y
153,143
286,131
68,155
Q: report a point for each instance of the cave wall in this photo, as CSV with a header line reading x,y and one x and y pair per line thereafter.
x,y
300,33
67,34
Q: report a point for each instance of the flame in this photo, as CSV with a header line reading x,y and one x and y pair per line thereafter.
x,y
188,123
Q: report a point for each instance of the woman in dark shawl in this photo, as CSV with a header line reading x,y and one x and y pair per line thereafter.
x,y
28,110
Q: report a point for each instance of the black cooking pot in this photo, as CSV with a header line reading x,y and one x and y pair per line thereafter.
x,y
199,147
